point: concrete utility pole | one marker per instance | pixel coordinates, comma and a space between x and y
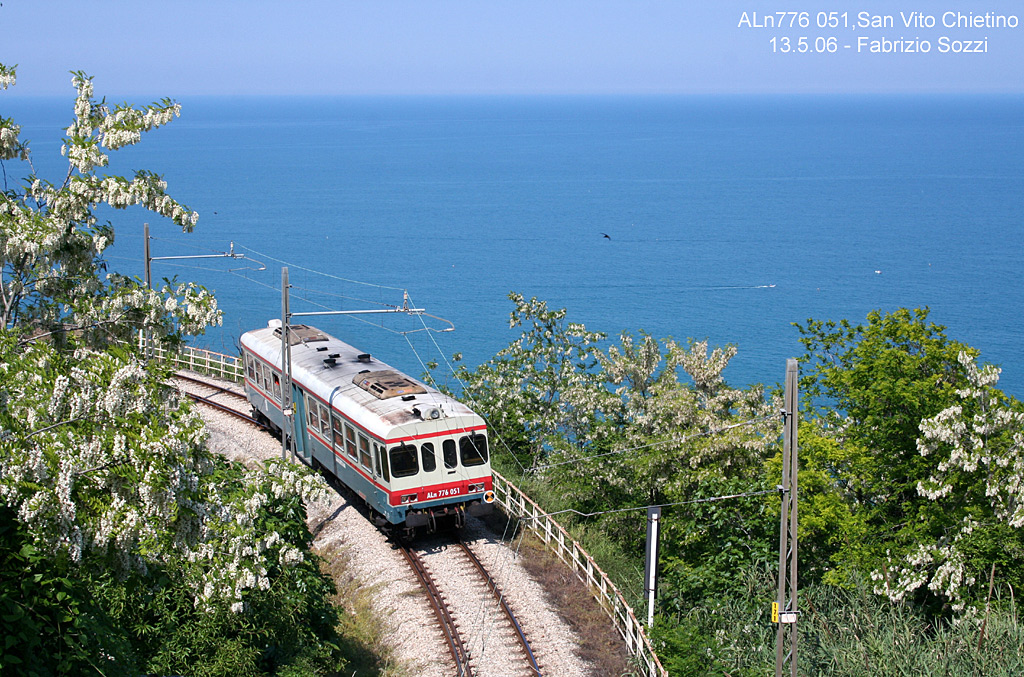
784, 610
651, 570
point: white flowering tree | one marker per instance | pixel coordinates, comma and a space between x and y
115, 518
976, 489
51, 239
535, 392
640, 423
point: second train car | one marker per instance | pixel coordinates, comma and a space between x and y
417, 457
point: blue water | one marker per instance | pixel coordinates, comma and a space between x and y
728, 218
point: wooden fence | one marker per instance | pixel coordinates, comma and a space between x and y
509, 497
517, 504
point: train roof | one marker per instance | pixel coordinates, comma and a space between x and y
372, 393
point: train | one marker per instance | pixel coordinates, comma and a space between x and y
417, 457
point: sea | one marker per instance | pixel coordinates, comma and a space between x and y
726, 218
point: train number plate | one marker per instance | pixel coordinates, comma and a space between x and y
442, 493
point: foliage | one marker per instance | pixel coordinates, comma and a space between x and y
527, 389
843, 631
729, 635
854, 632
910, 479
47, 623
607, 432
912, 460
128, 547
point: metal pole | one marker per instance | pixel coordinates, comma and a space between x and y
145, 248
786, 610
651, 572
287, 427
149, 285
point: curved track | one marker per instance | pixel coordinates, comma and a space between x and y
457, 648
217, 390
500, 598
482, 632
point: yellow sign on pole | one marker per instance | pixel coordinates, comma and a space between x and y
775, 612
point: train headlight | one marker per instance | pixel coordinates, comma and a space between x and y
408, 498
475, 488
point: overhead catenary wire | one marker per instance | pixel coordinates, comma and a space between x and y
319, 272
708, 499
682, 440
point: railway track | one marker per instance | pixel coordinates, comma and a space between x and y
499, 597
456, 647
216, 390
481, 631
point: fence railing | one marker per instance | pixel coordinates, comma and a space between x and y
518, 504
228, 367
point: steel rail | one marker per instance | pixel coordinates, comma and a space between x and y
205, 399
227, 410
500, 597
444, 618
212, 386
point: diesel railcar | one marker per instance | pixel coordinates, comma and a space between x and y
418, 458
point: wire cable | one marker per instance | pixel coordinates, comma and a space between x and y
683, 440
710, 499
317, 272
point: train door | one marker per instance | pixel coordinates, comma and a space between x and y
300, 440
381, 468
337, 443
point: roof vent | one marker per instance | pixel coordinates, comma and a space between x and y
364, 358
387, 384
330, 361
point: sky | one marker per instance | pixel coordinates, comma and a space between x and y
343, 47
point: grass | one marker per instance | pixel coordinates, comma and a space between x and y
365, 632
600, 644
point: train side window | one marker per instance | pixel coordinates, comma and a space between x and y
364, 453
259, 375
350, 441
325, 420
250, 366
403, 461
339, 433
312, 419
450, 459
277, 387
473, 449
382, 462
427, 452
